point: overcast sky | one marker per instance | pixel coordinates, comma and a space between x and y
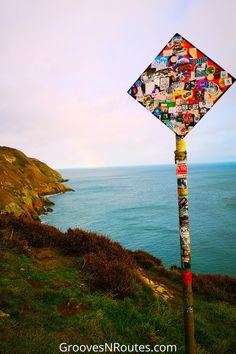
66, 66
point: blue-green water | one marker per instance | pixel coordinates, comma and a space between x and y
137, 206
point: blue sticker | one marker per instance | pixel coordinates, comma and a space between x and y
169, 124
200, 65
157, 111
202, 83
160, 62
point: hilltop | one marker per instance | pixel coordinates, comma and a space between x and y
24, 182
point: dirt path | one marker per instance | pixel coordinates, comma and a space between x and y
159, 289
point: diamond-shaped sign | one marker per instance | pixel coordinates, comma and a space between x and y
181, 85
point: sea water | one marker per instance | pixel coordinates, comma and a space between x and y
137, 206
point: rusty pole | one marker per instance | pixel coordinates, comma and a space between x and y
185, 253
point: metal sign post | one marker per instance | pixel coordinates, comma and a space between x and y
179, 87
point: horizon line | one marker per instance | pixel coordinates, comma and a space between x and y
142, 165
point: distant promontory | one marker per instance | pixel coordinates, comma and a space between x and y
25, 182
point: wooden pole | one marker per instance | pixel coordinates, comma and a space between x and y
185, 253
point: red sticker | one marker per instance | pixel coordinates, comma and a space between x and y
187, 278
182, 170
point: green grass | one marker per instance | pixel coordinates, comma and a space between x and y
50, 303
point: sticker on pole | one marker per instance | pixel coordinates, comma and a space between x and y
181, 170
187, 278
180, 85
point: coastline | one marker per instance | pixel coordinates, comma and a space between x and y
25, 183
47, 203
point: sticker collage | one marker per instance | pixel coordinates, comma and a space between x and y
182, 185
180, 85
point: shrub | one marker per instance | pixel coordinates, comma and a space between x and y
112, 276
175, 268
217, 287
79, 242
146, 260
19, 246
35, 233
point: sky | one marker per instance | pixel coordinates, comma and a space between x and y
66, 66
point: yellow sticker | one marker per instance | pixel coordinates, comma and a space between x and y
193, 52
178, 93
210, 77
222, 82
181, 145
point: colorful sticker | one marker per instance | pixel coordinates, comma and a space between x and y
184, 232
210, 70
186, 261
184, 79
228, 81
181, 170
187, 278
183, 202
183, 192
160, 62
203, 83
223, 74
193, 52
200, 66
184, 222
185, 242
182, 183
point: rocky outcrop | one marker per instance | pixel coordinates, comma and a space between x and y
25, 182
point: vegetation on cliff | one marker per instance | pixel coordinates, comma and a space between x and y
82, 288
23, 183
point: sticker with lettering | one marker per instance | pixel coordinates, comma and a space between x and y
181, 170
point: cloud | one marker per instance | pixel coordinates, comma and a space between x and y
66, 67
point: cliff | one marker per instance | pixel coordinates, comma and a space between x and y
24, 182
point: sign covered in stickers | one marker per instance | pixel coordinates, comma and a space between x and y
180, 85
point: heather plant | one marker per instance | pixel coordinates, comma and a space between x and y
220, 287
110, 275
80, 242
35, 233
146, 260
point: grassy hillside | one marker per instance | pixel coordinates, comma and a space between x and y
82, 288
79, 287
24, 181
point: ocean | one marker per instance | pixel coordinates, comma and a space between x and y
137, 206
